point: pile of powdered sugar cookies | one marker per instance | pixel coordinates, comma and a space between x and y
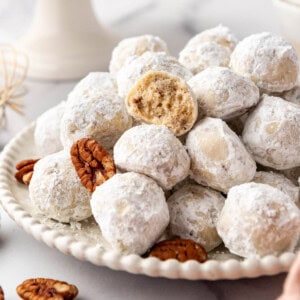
205, 147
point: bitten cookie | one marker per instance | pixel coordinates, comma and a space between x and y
131, 211
218, 157
135, 46
154, 151
194, 211
222, 93
280, 182
47, 130
93, 111
268, 60
56, 191
259, 220
137, 66
272, 132
163, 99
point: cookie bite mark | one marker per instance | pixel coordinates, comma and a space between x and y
163, 99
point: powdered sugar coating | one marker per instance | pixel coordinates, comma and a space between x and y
218, 157
280, 182
220, 34
92, 85
194, 211
135, 46
222, 93
259, 220
272, 131
47, 130
154, 151
56, 191
197, 58
97, 115
137, 66
268, 60
292, 95
131, 211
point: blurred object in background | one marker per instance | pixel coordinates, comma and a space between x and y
289, 14
65, 40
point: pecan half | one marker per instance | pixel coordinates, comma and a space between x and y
45, 288
1, 294
92, 162
25, 170
179, 249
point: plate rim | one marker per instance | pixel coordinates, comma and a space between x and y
132, 263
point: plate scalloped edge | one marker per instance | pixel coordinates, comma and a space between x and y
68, 244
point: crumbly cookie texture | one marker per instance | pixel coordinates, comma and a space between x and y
222, 93
47, 130
194, 211
163, 99
220, 34
56, 191
92, 85
259, 220
218, 157
199, 57
94, 113
280, 182
268, 60
135, 46
272, 133
131, 211
154, 151
137, 66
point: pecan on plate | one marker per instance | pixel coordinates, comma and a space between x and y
1, 294
45, 288
25, 170
92, 162
179, 249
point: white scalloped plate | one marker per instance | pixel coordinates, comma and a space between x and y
83, 240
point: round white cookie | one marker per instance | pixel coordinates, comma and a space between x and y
154, 151
267, 59
272, 131
259, 220
220, 34
197, 58
131, 211
47, 130
218, 157
135, 46
194, 211
222, 93
99, 116
55, 189
280, 182
137, 66
92, 85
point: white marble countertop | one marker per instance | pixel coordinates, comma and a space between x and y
21, 256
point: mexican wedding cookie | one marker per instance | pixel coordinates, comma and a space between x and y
272, 132
222, 93
163, 99
94, 113
56, 191
218, 157
47, 130
259, 220
194, 211
131, 211
280, 182
268, 60
135, 46
154, 151
138, 66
